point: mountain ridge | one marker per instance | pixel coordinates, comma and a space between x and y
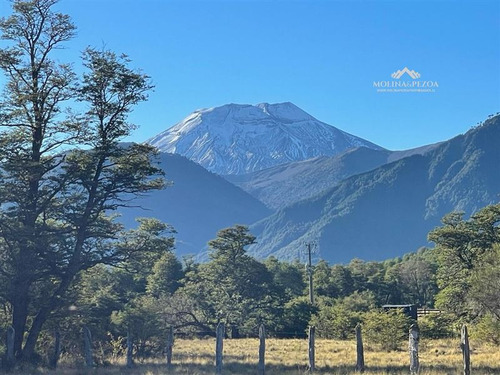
282, 185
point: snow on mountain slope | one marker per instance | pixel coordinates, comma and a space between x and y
236, 138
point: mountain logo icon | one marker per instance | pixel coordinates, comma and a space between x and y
413, 74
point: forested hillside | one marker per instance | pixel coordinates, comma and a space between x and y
196, 203
290, 183
390, 210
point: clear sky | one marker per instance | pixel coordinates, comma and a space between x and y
321, 55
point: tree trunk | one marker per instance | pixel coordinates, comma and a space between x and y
87, 340
19, 318
36, 328
235, 332
42, 315
10, 358
20, 301
170, 344
130, 348
54, 358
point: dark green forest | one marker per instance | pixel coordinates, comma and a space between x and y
146, 294
66, 262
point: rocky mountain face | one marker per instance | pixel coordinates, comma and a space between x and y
389, 210
236, 139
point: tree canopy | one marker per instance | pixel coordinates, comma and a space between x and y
62, 173
468, 258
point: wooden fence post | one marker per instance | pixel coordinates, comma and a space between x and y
170, 344
414, 337
87, 339
464, 344
10, 347
312, 331
219, 342
130, 348
262, 350
54, 358
360, 361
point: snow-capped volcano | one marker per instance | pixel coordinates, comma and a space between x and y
236, 138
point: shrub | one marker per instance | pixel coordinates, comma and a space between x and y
337, 319
335, 322
437, 326
386, 328
296, 316
487, 330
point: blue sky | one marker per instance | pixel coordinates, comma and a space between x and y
321, 55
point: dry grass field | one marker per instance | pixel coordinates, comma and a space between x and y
287, 357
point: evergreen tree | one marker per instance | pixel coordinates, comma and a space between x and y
466, 251
61, 174
165, 277
233, 287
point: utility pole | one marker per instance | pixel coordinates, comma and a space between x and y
310, 272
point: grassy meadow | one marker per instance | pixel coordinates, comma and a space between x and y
290, 356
